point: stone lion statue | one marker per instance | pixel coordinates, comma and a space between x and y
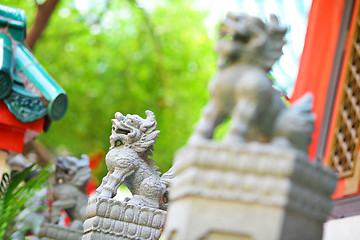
72, 175
127, 161
241, 88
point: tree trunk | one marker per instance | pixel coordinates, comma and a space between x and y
42, 18
3, 158
43, 154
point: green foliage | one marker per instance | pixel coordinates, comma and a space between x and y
16, 190
126, 59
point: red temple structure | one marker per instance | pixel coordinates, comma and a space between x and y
330, 69
14, 133
29, 97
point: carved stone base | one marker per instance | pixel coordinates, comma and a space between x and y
112, 219
342, 228
248, 191
52, 231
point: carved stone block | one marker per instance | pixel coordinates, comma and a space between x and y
112, 219
342, 228
247, 191
55, 232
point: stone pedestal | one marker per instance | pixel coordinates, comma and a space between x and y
55, 232
111, 219
247, 191
343, 228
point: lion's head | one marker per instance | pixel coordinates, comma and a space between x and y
248, 39
72, 170
134, 132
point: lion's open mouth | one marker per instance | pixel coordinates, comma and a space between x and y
122, 131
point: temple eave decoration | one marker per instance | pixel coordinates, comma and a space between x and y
28, 94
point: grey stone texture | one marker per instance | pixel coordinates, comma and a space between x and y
342, 228
143, 215
51, 231
257, 182
247, 191
127, 162
72, 175
112, 219
242, 90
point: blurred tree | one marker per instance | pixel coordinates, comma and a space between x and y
44, 11
123, 56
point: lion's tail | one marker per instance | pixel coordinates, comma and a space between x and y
297, 122
167, 177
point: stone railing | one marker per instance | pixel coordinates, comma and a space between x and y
112, 219
53, 231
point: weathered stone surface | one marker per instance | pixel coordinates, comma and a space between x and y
142, 216
127, 162
247, 191
112, 219
342, 228
56, 232
257, 182
72, 175
241, 89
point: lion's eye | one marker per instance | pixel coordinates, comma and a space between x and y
165, 198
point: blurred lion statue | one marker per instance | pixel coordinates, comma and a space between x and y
72, 175
247, 49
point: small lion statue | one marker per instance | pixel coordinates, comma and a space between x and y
72, 175
247, 49
127, 161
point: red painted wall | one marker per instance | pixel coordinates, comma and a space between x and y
316, 62
12, 130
